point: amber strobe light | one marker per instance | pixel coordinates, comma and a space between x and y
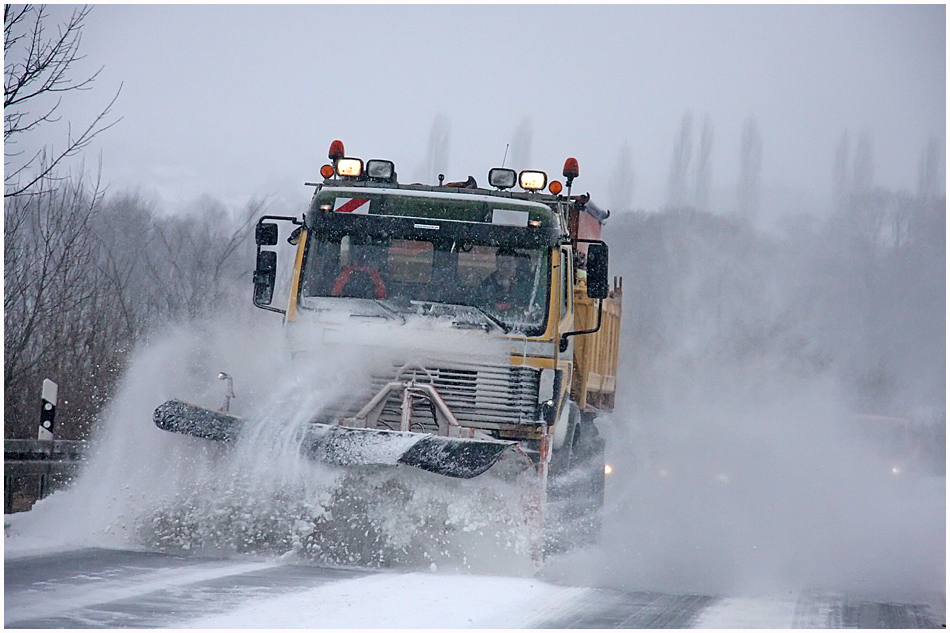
571, 170
336, 150
555, 187
327, 171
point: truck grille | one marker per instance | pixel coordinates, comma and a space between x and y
480, 396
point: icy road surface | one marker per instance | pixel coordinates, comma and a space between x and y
93, 588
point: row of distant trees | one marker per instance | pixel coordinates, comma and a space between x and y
690, 171
87, 275
861, 294
717, 313
690, 174
858, 293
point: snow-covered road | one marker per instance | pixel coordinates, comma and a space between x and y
119, 589
771, 520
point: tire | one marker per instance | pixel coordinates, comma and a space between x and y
588, 496
576, 484
562, 458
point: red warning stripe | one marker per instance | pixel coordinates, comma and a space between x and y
351, 205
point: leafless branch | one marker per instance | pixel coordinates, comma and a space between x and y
37, 66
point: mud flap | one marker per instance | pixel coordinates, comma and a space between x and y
344, 446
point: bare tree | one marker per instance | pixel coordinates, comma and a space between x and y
191, 263
89, 278
703, 167
622, 181
520, 154
37, 73
749, 172
863, 178
679, 167
125, 232
49, 293
842, 179
929, 174
437, 153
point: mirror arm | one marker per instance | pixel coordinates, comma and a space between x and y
264, 306
600, 314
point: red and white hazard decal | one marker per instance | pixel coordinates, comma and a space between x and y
351, 205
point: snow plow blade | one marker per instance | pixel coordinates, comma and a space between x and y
344, 446
180, 417
452, 457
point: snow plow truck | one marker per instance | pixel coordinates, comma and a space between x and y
524, 271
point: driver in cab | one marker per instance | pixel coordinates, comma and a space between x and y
506, 288
360, 278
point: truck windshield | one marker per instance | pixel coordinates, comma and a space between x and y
506, 284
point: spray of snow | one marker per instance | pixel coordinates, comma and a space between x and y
741, 497
147, 488
738, 466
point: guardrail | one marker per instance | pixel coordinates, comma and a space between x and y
33, 469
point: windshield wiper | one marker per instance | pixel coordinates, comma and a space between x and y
437, 309
390, 310
504, 326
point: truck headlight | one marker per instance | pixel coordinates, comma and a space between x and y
533, 180
380, 170
501, 178
352, 167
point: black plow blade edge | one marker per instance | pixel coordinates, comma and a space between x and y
450, 457
453, 458
188, 419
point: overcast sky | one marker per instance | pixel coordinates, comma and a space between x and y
241, 101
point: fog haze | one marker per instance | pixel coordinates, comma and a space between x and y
763, 347
241, 101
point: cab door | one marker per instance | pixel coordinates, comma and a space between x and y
565, 293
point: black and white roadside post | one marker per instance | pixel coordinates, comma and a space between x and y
47, 410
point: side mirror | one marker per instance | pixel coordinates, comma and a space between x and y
265, 275
598, 281
266, 234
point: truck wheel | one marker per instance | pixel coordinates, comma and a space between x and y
576, 484
588, 496
562, 458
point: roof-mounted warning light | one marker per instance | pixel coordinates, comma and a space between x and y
571, 171
335, 154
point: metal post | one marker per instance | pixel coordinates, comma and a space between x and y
230, 391
47, 410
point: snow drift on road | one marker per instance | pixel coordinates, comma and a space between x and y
405, 601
